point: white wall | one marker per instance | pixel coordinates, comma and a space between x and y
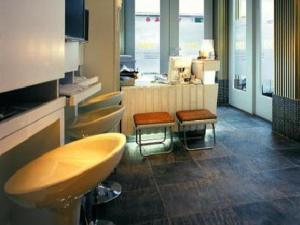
101, 52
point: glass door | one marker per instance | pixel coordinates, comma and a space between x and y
265, 69
147, 36
240, 88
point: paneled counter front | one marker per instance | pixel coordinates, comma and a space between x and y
164, 97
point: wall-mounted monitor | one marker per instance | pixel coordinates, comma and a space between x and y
75, 19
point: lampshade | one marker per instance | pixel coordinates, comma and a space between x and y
119, 3
207, 47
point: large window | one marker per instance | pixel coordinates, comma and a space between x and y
147, 36
158, 36
191, 26
240, 45
267, 47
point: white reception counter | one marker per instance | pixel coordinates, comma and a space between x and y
152, 97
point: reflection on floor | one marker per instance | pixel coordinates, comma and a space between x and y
251, 177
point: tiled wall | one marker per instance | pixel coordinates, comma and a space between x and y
286, 116
223, 95
286, 107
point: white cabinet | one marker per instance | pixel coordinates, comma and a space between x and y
32, 40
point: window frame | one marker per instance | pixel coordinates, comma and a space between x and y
169, 26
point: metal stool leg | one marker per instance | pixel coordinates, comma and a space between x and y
185, 139
214, 131
165, 134
140, 142
171, 136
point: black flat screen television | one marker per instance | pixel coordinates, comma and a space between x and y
75, 22
86, 24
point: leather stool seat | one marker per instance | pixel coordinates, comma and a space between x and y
190, 115
153, 120
141, 119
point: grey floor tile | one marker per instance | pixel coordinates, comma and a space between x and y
219, 151
286, 181
133, 208
265, 160
192, 197
177, 172
263, 213
252, 177
292, 154
133, 177
220, 217
225, 167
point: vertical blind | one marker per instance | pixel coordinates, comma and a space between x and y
221, 34
287, 56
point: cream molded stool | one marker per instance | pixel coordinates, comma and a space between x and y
153, 120
96, 119
195, 117
95, 122
58, 179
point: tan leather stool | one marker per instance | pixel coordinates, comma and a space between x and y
153, 120
195, 117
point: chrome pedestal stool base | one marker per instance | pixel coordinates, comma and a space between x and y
107, 191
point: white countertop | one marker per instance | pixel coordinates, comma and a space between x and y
149, 81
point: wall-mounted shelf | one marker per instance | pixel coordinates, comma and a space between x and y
19, 128
81, 95
79, 91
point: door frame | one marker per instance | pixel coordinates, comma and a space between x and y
260, 100
238, 98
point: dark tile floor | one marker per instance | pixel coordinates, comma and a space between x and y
251, 177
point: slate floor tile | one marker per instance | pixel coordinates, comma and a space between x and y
265, 160
224, 167
133, 177
244, 146
252, 177
263, 213
178, 155
278, 142
219, 151
133, 208
289, 207
286, 180
239, 191
156, 222
192, 197
177, 172
220, 217
292, 154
